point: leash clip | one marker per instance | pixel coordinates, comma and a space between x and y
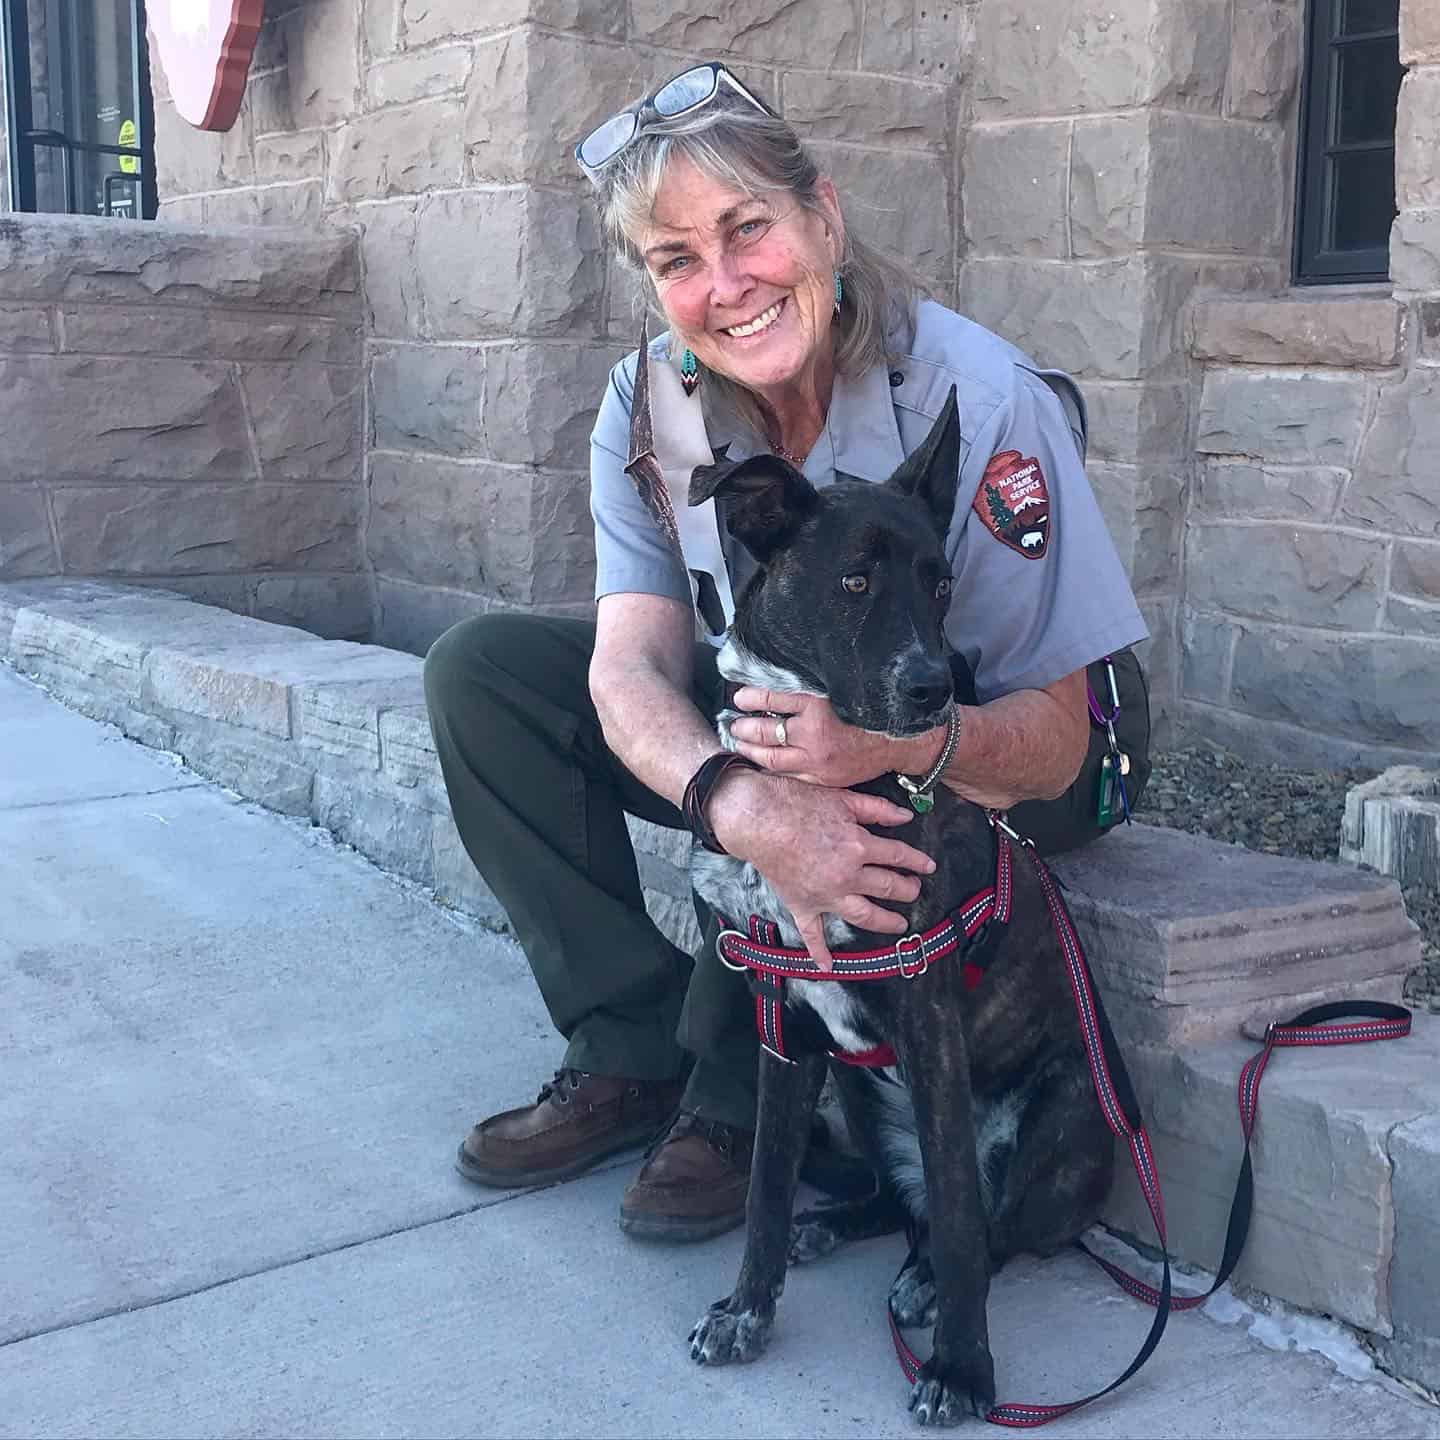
1270, 1030
916, 944
739, 969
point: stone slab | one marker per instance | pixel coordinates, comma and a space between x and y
259, 767
379, 820
1342, 331
1414, 1349
1281, 415
1323, 1227
1190, 936
342, 720
407, 751
1392, 825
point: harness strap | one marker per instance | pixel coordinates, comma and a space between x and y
1377, 1021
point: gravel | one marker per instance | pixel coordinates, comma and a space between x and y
1208, 791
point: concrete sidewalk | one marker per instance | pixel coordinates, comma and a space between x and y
234, 1062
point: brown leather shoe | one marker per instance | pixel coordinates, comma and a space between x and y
576, 1121
693, 1185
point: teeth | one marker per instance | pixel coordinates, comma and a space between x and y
759, 323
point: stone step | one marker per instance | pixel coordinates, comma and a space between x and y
1346, 1159
1392, 824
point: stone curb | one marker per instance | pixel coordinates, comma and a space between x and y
1189, 937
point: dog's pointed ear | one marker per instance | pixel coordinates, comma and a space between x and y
763, 499
933, 471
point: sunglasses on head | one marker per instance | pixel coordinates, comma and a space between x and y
692, 89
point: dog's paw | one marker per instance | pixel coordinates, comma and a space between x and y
811, 1238
945, 1395
724, 1335
912, 1296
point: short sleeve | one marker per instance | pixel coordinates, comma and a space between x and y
631, 555
1038, 590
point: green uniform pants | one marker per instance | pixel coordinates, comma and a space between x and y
540, 803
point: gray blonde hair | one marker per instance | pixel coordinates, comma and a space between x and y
757, 153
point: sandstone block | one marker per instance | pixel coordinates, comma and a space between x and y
269, 53
1380, 691
322, 47
407, 753
186, 212
868, 110
1392, 825
26, 546
1417, 140
255, 688
1415, 250
409, 617
540, 401
1428, 316
400, 151
25, 329
424, 21
380, 20
66, 416
549, 238
1393, 486
428, 398
1414, 1350
442, 71
1322, 1230
1351, 330
138, 529
1015, 182
823, 34
1143, 510
379, 822
189, 160
457, 882
231, 209
1264, 61
1314, 577
1109, 179
306, 419
522, 80
522, 536
880, 193
64, 257
16, 595
296, 206
1419, 33
262, 769
342, 719
1416, 570
1131, 420
1205, 642
290, 155
393, 291
1280, 416
334, 607
190, 333
916, 38
1267, 492
268, 97
1412, 617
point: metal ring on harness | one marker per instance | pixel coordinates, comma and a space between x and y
740, 969
917, 944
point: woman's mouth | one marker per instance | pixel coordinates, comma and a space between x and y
761, 323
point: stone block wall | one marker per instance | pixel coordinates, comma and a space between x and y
184, 408
442, 131
1312, 552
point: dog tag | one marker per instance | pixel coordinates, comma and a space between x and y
922, 802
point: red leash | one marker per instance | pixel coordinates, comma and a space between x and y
1364, 1021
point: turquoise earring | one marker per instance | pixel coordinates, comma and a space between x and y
839, 291
689, 371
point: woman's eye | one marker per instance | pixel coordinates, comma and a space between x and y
855, 584
942, 590
672, 267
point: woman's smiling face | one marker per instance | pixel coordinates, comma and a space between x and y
746, 281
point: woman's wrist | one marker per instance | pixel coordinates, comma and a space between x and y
731, 807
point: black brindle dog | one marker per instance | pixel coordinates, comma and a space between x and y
987, 1134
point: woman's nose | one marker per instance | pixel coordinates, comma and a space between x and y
730, 282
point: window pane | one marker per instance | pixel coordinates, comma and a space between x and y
1363, 16
1369, 84
1362, 200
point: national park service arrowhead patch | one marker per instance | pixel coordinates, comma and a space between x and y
1014, 503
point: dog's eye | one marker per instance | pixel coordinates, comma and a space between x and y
942, 590
856, 584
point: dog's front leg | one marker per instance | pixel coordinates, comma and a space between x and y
959, 1377
739, 1327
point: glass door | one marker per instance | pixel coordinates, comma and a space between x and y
81, 121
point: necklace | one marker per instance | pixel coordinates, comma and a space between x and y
796, 460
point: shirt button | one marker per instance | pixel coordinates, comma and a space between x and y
897, 379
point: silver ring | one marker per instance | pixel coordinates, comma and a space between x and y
781, 736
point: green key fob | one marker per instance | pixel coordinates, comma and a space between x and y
1108, 793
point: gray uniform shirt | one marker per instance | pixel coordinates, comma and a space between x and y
1038, 588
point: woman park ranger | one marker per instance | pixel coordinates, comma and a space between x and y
800, 339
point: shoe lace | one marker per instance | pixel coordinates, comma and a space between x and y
562, 1085
719, 1136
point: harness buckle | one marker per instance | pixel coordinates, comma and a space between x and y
912, 945
740, 969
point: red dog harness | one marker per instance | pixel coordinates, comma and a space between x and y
910, 957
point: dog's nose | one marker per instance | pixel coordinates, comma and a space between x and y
927, 686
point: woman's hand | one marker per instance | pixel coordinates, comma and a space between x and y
810, 843
821, 748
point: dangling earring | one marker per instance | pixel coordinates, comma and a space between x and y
689, 372
839, 291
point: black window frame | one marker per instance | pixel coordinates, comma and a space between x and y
22, 139
1312, 262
